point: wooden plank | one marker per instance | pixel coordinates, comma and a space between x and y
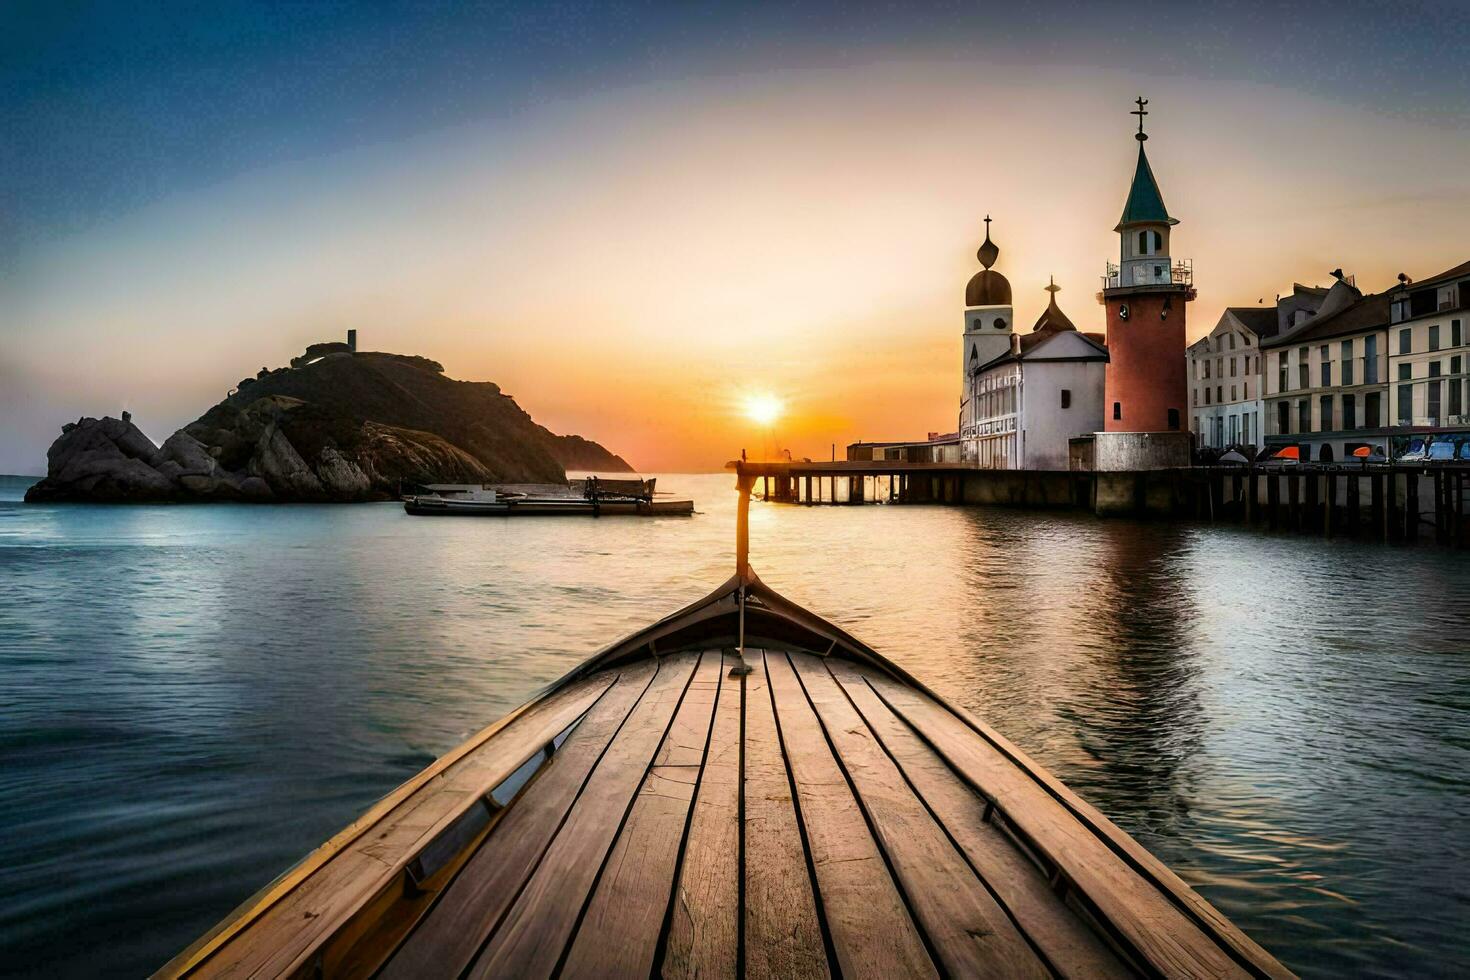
530, 939
1070, 945
782, 928
872, 932
619, 932
451, 934
1142, 909
969, 930
286, 935
704, 927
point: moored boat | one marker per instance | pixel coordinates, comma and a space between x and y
740, 789
596, 498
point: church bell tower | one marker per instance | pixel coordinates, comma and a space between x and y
989, 320
1145, 295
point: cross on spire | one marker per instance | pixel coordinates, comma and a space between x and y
1140, 112
987, 226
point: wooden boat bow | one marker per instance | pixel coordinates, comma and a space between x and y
739, 789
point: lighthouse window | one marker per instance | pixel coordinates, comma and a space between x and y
1173, 420
1000, 323
1117, 410
1066, 398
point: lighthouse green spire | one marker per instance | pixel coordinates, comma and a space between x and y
1145, 204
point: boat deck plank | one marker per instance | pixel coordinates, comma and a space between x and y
873, 934
468, 909
969, 930
619, 932
704, 925
530, 940
1152, 927
1072, 948
783, 935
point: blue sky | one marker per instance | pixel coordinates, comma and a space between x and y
614, 209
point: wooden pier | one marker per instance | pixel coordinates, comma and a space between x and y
1399, 503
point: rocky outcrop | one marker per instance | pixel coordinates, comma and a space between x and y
343, 428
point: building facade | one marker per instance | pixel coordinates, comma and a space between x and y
1325, 376
1428, 358
1225, 403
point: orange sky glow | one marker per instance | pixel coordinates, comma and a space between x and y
636, 265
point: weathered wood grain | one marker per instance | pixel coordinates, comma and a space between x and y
704, 926
1158, 932
872, 932
535, 930
619, 932
459, 922
971, 933
1070, 945
783, 935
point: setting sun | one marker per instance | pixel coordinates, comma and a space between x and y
763, 409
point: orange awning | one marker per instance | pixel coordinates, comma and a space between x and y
1363, 451
1288, 452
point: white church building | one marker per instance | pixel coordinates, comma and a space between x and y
1024, 396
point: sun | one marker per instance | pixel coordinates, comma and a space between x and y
763, 409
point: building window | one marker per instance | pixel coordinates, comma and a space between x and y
1454, 333
1173, 420
1347, 362
1281, 384
1247, 391
1066, 398
1349, 412
1434, 369
1370, 360
1406, 340
1431, 399
1207, 369
1232, 344
1372, 417
1406, 372
1304, 416
1326, 371
1434, 336
1456, 406
1117, 411
1325, 423
1232, 367
1303, 367
1196, 396
1406, 405
1219, 393
1283, 417
1208, 393
1232, 392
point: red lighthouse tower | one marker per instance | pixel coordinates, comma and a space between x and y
1146, 294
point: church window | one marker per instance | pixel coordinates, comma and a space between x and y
1173, 420
1117, 411
1066, 398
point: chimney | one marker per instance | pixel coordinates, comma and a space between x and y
352, 341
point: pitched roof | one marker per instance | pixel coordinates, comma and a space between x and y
1145, 205
1259, 320
1365, 314
1462, 269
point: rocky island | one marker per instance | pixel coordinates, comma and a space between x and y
337, 425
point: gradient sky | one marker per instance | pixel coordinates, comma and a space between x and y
634, 216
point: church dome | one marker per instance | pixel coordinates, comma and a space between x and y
988, 287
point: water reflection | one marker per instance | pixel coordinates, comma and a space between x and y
194, 697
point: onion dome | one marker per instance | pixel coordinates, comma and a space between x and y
988, 287
1052, 318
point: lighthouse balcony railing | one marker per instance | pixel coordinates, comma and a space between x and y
1143, 272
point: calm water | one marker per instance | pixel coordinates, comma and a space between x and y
193, 697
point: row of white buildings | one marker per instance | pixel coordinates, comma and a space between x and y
1333, 369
